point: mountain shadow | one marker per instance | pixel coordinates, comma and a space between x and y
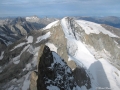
102, 82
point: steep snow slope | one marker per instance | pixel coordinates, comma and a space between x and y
102, 73
51, 24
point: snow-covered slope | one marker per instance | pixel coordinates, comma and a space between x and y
103, 74
91, 27
51, 24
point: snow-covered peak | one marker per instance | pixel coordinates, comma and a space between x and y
65, 23
32, 18
91, 27
103, 75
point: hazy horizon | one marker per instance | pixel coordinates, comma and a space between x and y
56, 17
59, 8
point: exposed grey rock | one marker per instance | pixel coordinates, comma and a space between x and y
53, 71
59, 40
114, 30
81, 77
101, 42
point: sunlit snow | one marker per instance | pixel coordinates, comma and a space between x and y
91, 27
39, 39
52, 47
30, 39
51, 25
19, 45
1, 56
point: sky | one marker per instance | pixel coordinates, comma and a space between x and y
59, 8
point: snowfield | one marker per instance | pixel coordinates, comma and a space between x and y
52, 47
102, 73
51, 25
30, 39
2, 55
19, 45
91, 27
26, 82
52, 88
39, 39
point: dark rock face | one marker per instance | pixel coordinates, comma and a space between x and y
45, 61
82, 78
53, 72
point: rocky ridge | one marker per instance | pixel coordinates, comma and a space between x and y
54, 73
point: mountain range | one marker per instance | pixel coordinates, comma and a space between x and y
67, 54
12, 29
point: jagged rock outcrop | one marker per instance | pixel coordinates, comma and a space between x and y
53, 72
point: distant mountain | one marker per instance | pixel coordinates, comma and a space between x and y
39, 22
111, 20
67, 54
36, 19
12, 29
32, 19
